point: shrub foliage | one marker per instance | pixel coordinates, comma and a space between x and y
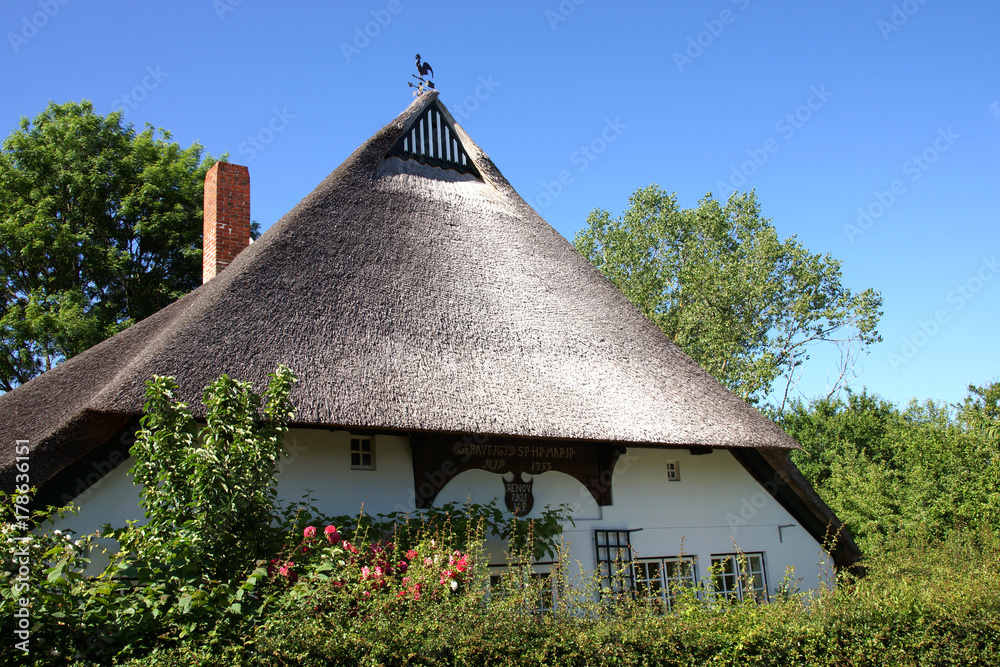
220, 574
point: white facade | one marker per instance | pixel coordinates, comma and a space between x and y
715, 507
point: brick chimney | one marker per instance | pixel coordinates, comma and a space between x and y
227, 216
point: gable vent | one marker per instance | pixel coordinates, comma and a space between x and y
431, 140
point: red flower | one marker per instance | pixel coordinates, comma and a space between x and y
331, 534
411, 554
286, 571
309, 532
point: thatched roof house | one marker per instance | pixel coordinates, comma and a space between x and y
414, 292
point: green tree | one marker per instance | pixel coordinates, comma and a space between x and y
719, 282
209, 489
100, 226
922, 470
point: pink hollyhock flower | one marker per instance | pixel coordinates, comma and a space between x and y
447, 576
411, 554
366, 573
331, 534
379, 571
428, 561
309, 532
463, 564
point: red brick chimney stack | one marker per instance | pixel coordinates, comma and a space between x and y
227, 216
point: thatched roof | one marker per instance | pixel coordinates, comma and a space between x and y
408, 297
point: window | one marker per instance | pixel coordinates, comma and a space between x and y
662, 578
614, 559
362, 454
540, 582
739, 576
673, 471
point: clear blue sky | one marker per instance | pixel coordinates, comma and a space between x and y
836, 105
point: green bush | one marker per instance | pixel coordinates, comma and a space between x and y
920, 603
214, 580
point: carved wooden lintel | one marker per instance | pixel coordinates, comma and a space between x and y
437, 458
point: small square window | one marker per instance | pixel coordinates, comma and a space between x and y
673, 471
362, 454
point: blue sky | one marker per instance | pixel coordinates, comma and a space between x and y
870, 130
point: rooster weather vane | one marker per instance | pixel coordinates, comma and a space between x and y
423, 68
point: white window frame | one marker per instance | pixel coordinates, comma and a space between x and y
673, 471
360, 452
663, 583
546, 571
738, 575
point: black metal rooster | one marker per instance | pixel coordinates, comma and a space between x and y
423, 69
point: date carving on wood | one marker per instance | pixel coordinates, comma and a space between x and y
437, 458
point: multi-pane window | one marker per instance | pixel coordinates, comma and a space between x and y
739, 576
614, 559
663, 578
539, 583
362, 454
673, 471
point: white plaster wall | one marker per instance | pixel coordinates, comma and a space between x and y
320, 461
716, 507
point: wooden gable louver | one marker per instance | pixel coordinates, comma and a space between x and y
432, 140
